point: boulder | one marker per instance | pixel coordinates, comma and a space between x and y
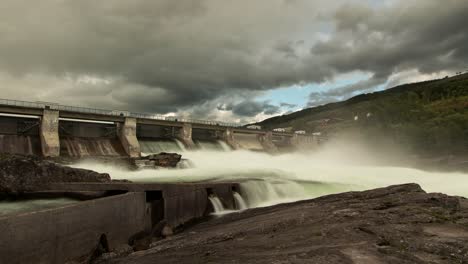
26, 173
161, 160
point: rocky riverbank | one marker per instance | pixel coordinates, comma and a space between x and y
20, 174
397, 224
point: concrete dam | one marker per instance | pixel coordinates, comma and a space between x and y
52, 130
60, 222
121, 212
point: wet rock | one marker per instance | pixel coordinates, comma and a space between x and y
161, 160
119, 251
397, 224
140, 241
167, 231
26, 173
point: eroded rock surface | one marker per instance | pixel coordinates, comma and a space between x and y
163, 159
26, 173
397, 224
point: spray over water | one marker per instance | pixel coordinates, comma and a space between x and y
271, 179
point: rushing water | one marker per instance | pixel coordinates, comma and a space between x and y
240, 202
271, 179
150, 146
216, 203
212, 145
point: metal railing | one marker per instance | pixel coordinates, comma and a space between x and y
87, 110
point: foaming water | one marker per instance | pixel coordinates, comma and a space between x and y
216, 203
214, 145
271, 179
239, 200
151, 146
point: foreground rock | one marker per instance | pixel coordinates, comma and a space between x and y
398, 224
161, 160
25, 173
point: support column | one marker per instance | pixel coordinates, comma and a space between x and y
228, 137
185, 135
128, 138
295, 141
304, 142
267, 141
50, 142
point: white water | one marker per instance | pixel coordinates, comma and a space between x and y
152, 146
271, 179
216, 145
240, 203
217, 205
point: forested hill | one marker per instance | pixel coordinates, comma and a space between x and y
430, 116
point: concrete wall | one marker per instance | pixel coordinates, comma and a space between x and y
183, 204
304, 142
49, 133
127, 135
205, 134
155, 131
62, 234
87, 130
248, 141
20, 136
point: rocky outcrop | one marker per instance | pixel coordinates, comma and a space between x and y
26, 173
164, 160
397, 224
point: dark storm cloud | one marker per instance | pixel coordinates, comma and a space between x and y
317, 98
287, 105
168, 56
423, 35
252, 108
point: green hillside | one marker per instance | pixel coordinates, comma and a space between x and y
427, 117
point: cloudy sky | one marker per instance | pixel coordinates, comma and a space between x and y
237, 60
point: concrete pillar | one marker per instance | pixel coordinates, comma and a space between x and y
295, 141
185, 135
49, 133
267, 141
228, 137
128, 138
304, 142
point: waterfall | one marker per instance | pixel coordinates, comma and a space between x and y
89, 147
217, 205
259, 193
212, 145
18, 144
180, 145
240, 203
224, 145
155, 146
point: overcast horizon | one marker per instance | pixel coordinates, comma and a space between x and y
233, 61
